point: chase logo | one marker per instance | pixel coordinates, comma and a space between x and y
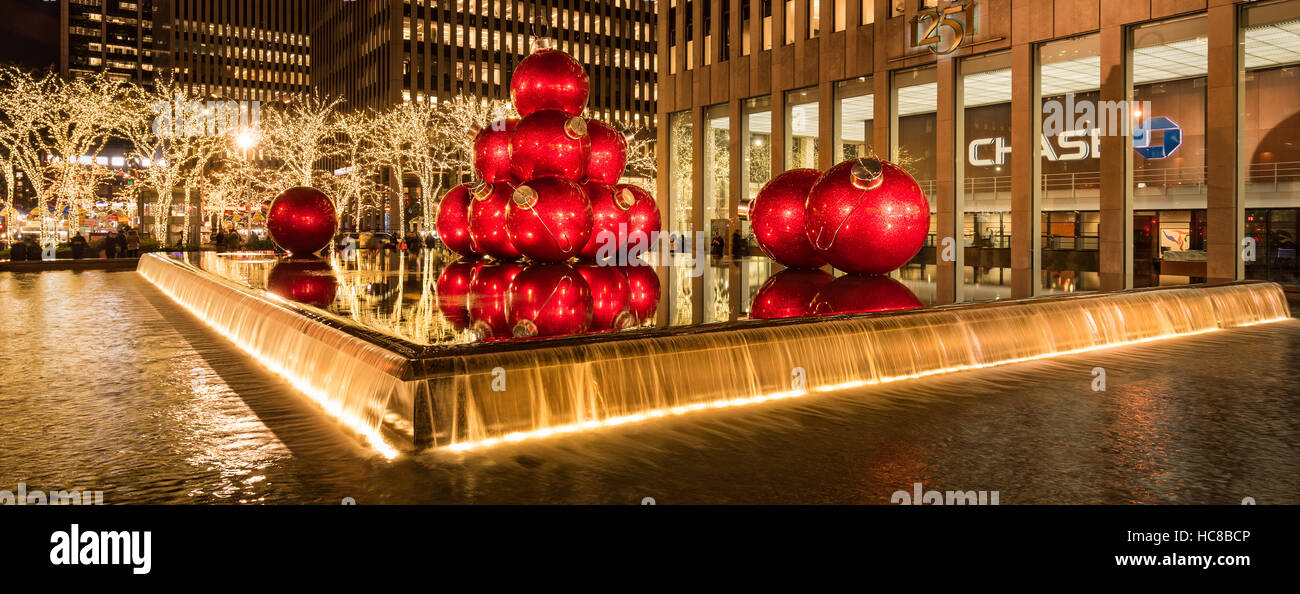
1172, 138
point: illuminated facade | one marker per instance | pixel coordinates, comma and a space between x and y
1186, 192
113, 36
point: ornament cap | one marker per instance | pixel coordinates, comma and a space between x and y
542, 43
623, 320
481, 190
525, 328
575, 128
868, 173
481, 330
525, 197
624, 199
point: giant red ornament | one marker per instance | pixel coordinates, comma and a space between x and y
492, 150
608, 153
867, 216
643, 215
609, 214
611, 298
487, 220
549, 300
488, 293
777, 216
549, 79
452, 290
789, 294
306, 281
550, 142
549, 219
302, 220
643, 288
452, 222
853, 293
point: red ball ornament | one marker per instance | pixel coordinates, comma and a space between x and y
453, 291
611, 297
487, 299
549, 300
550, 142
306, 281
777, 216
302, 220
853, 293
487, 220
492, 150
867, 216
549, 79
452, 222
609, 215
549, 219
643, 215
608, 153
643, 286
789, 294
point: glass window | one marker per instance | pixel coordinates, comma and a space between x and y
789, 22
1168, 119
801, 128
854, 110
680, 165
915, 94
814, 18
1069, 78
717, 168
756, 142
986, 184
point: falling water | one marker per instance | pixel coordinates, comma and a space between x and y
466, 396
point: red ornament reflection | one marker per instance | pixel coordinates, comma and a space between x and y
853, 293
549, 219
492, 150
867, 216
452, 290
643, 287
487, 220
549, 300
452, 222
777, 216
302, 220
611, 297
550, 142
487, 299
308, 281
609, 213
549, 79
608, 153
789, 294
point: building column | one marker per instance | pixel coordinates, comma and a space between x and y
826, 124
698, 223
948, 172
1225, 208
1116, 229
1026, 171
736, 167
780, 133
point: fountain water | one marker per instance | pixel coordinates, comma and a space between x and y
401, 394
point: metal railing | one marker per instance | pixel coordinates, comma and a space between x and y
1260, 177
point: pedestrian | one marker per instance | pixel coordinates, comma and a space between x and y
132, 241
110, 245
33, 250
233, 241
219, 240
78, 243
18, 251
739, 245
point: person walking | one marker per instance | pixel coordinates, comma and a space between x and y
110, 245
233, 241
132, 241
33, 250
18, 251
219, 240
78, 243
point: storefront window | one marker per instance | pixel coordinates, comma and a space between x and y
801, 129
854, 110
680, 164
1169, 69
1070, 189
986, 184
915, 94
1271, 118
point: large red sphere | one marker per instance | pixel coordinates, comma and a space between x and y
867, 216
789, 294
611, 298
549, 79
452, 222
302, 220
453, 291
643, 215
643, 285
609, 214
550, 142
853, 293
487, 220
608, 153
549, 219
492, 150
549, 300
487, 299
306, 281
777, 216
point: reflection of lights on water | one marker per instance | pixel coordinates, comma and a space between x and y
733, 402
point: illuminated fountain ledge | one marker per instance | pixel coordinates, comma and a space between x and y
402, 396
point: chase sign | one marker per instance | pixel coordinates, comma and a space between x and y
1172, 138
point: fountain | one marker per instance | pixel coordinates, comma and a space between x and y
374, 345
